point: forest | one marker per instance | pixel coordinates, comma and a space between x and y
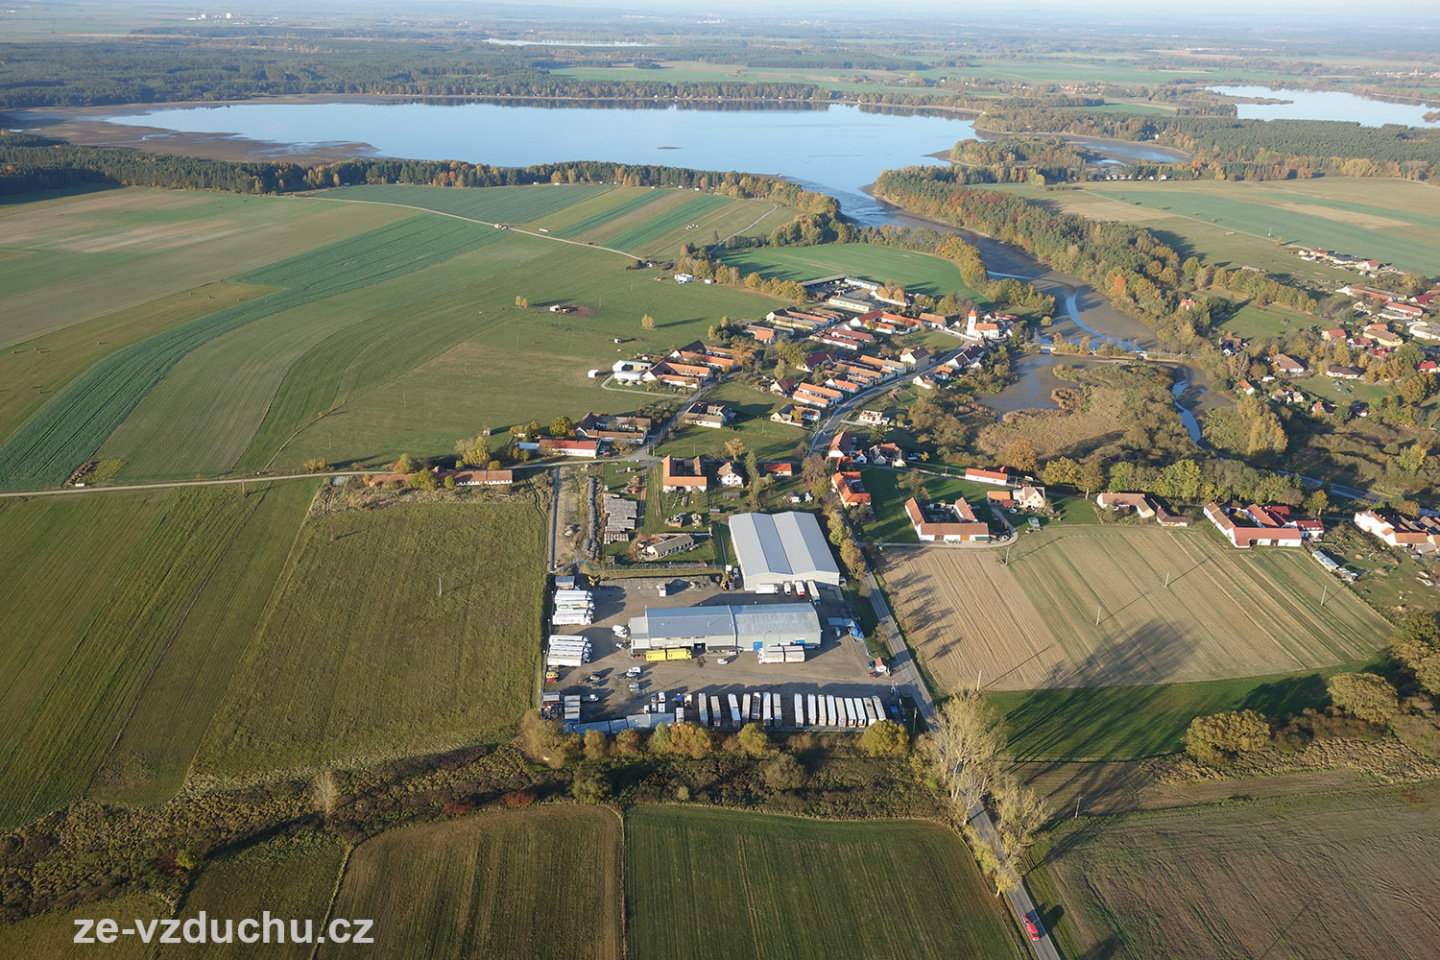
29, 163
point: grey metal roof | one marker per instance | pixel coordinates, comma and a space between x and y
789, 545
730, 622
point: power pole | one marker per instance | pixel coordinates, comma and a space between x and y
1167, 579
441, 591
1097, 614
978, 674
1324, 593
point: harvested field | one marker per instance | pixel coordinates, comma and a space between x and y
1331, 875
732, 885
51, 936
963, 612
1225, 613
542, 884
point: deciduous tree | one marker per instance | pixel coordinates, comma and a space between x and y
1367, 696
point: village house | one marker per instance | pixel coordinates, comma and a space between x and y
1229, 346
778, 468
568, 448
990, 327
764, 334
703, 414
851, 489
1030, 497
1287, 395
999, 477
1138, 502
887, 454
914, 356
872, 417
700, 354
1287, 366
665, 544
1333, 334
1000, 498
816, 361
815, 396
1246, 387
629, 371
1421, 535
1383, 336
1244, 537
842, 446
1338, 371
1424, 330
604, 426
845, 339
796, 415
965, 529
483, 478
924, 382
730, 475
682, 475
674, 374
784, 386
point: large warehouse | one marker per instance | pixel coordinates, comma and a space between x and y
775, 548
726, 628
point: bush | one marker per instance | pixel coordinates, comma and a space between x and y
1366, 696
423, 480
597, 745
590, 786
315, 465
1218, 739
518, 799
627, 743
660, 739
783, 773
406, 464
691, 740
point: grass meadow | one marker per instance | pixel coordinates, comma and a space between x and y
1324, 876
51, 936
361, 654
543, 883
729, 885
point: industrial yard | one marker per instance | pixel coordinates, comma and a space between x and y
837, 667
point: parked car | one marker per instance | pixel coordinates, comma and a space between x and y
593, 678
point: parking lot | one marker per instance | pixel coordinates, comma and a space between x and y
840, 667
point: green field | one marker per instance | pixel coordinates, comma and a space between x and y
1117, 723
642, 197
287, 877
890, 523
389, 665
78, 418
752, 426
488, 204
114, 616
728, 885
52, 935
543, 884
1329, 875
916, 272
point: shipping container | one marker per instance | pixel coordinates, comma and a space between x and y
879, 708
652, 655
870, 715
703, 709
734, 711
799, 710
572, 595
830, 713
777, 712
852, 713
680, 714
716, 717
677, 653
810, 709
767, 588
766, 714
795, 656
754, 707
745, 708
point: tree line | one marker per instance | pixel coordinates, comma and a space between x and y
29, 163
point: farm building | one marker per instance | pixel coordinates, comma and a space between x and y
1421, 534
690, 476
774, 549
967, 528
726, 627
1247, 536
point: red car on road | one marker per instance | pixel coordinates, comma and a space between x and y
1032, 928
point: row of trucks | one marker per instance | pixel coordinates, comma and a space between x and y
768, 709
795, 588
573, 608
567, 650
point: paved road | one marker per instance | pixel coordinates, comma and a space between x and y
827, 427
906, 677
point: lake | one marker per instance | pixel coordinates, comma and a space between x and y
1325, 105
833, 148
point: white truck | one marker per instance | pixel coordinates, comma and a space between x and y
810, 709
799, 710
735, 712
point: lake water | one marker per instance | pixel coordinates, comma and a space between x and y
1326, 105
833, 148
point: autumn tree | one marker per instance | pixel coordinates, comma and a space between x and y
1021, 812
753, 740
691, 740
1217, 740
1416, 645
562, 428
1092, 476
784, 772
522, 302
545, 741
885, 739
423, 480
1368, 696
964, 744
1061, 472
1020, 456
647, 322
734, 447
406, 464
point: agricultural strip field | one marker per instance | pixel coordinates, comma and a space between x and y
728, 885
91, 255
76, 420
291, 878
488, 204
408, 629
642, 198
31, 373
1333, 875
503, 364
916, 272
204, 414
543, 884
646, 235
1225, 614
111, 602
